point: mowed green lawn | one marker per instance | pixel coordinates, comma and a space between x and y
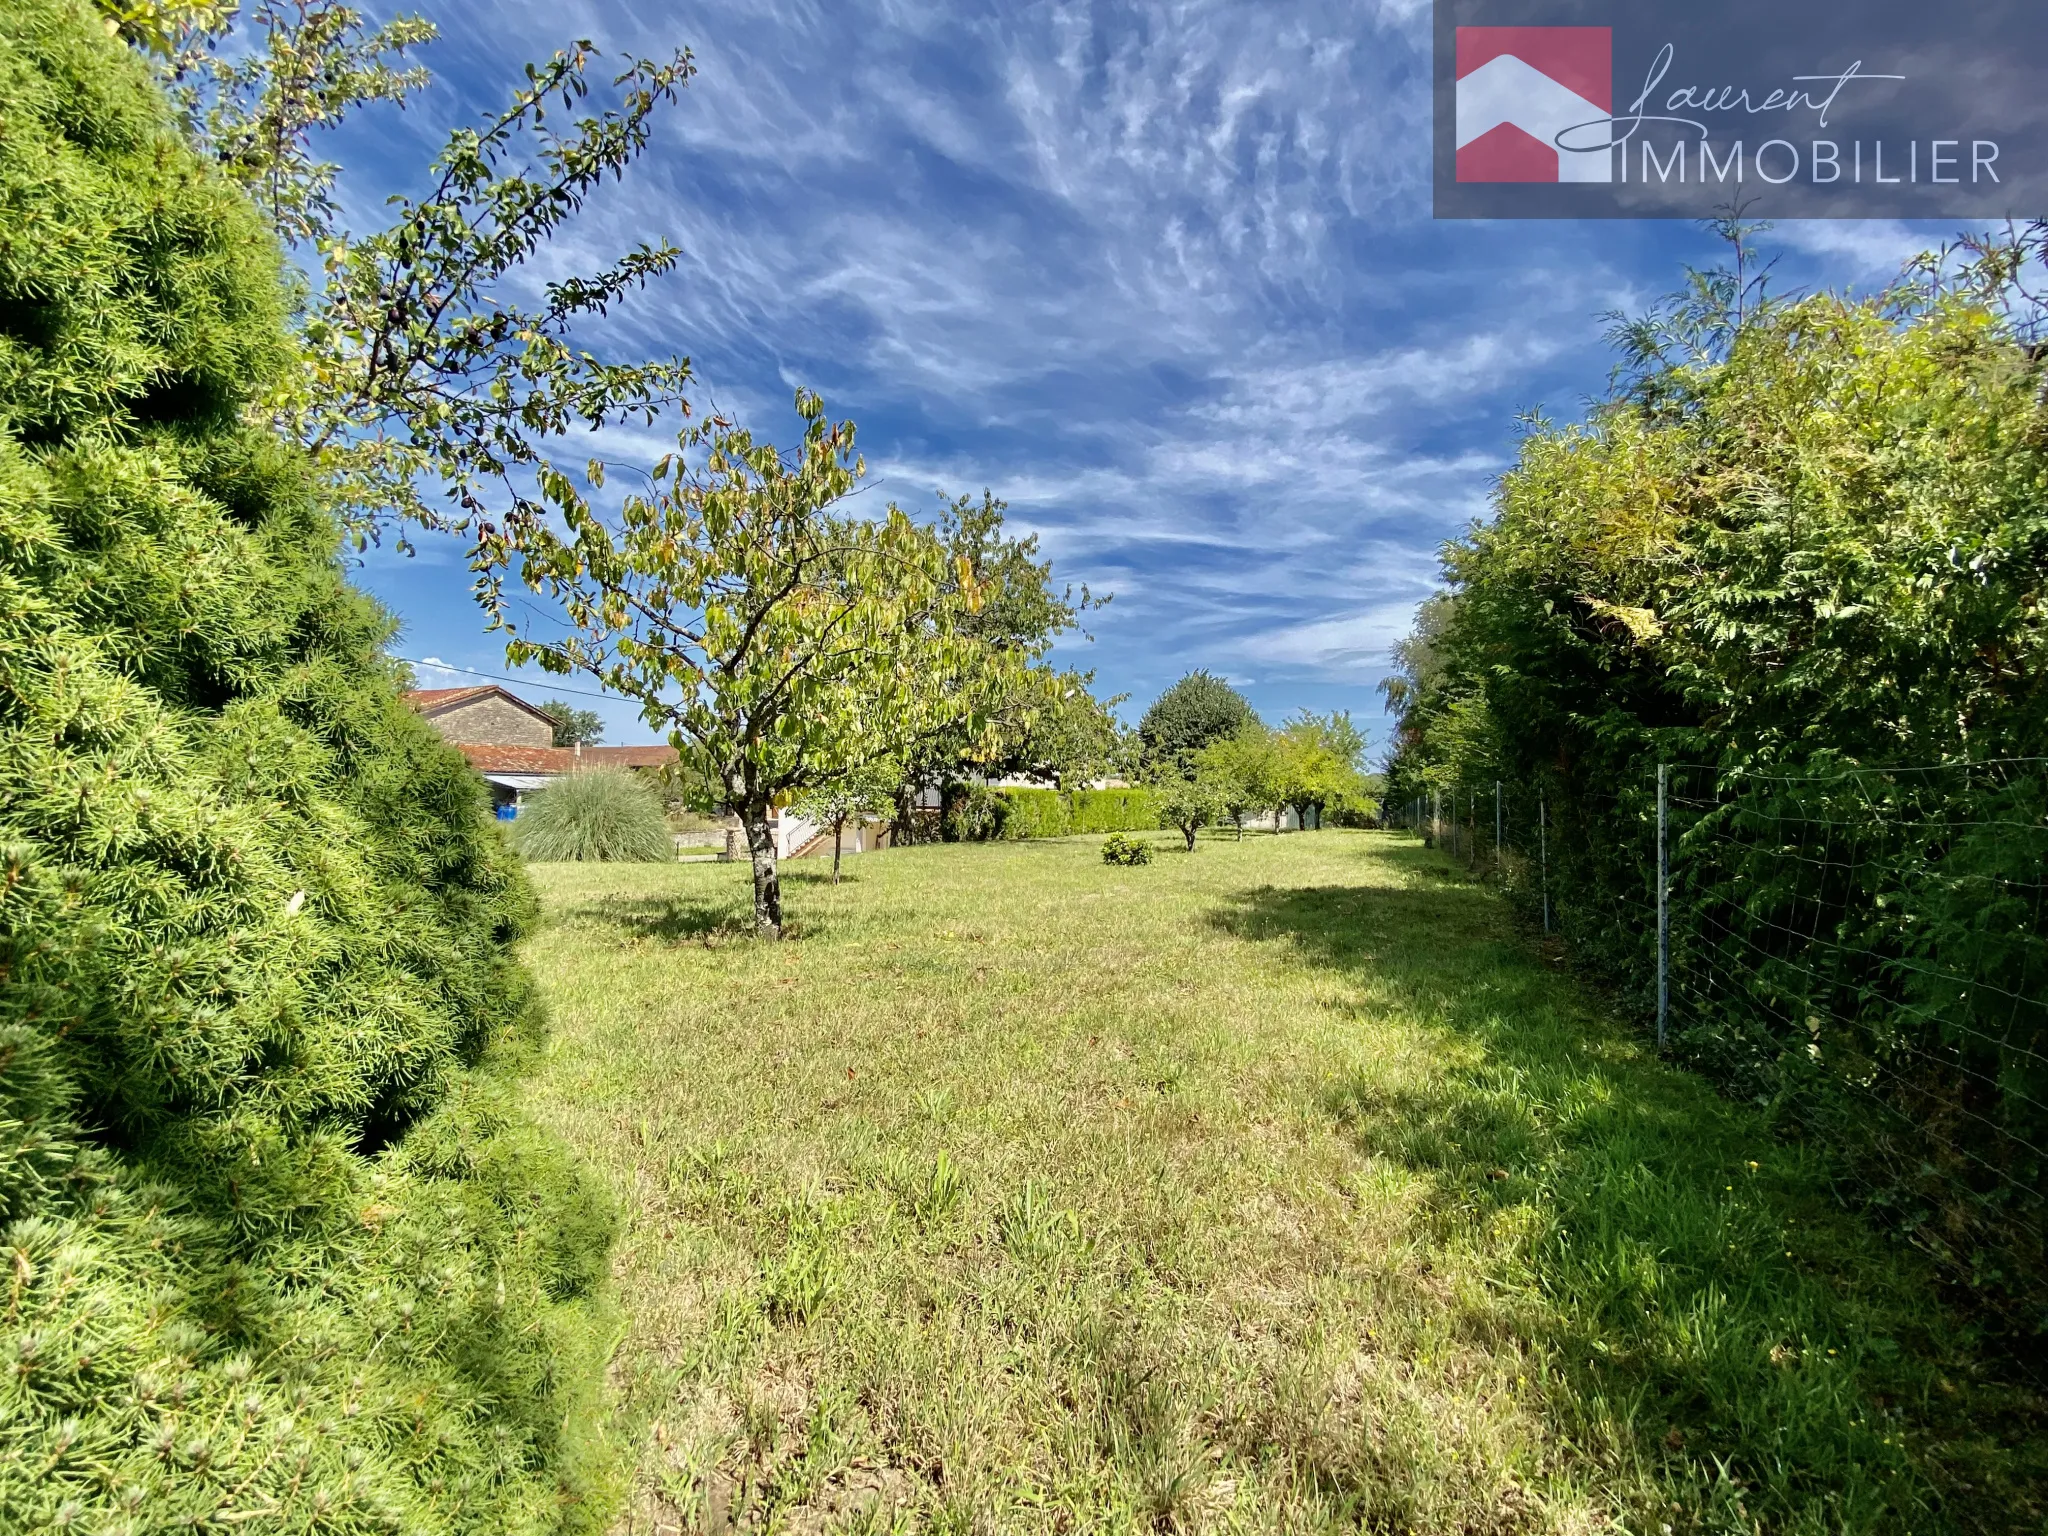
1283, 1186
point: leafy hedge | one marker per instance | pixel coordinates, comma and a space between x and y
282, 1252
1048, 813
1116, 810
1037, 813
1803, 557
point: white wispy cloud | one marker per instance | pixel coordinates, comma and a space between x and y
1159, 272
1864, 249
1341, 645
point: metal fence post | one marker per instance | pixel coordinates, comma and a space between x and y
1543, 853
1496, 829
1663, 905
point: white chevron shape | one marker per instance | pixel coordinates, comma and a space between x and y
1506, 90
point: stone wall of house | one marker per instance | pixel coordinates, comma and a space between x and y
492, 721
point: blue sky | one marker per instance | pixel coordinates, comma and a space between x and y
1161, 276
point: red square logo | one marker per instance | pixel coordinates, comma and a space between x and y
1520, 89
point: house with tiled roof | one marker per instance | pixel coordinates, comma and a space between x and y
484, 713
512, 743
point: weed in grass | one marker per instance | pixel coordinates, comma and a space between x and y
734, 1329
1034, 1231
798, 1282
706, 1162
940, 1192
1168, 1075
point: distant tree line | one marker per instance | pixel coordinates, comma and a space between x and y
574, 727
1212, 760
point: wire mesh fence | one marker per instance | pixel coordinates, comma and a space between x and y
1862, 951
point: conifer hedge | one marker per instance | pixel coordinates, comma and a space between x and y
277, 1249
1135, 809
1036, 813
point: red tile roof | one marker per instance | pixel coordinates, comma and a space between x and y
486, 758
434, 698
631, 757
433, 701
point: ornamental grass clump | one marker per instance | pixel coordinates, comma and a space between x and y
282, 1252
607, 815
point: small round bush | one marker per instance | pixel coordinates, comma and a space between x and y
1127, 851
610, 815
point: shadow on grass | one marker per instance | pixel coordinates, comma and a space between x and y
792, 876
1749, 1354
668, 919
696, 919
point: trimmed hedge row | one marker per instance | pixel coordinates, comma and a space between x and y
1115, 810
1048, 813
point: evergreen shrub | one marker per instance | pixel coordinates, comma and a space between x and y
281, 1251
1126, 851
608, 815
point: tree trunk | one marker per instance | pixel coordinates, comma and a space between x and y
1237, 820
1188, 832
767, 882
837, 827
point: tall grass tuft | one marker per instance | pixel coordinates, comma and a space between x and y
608, 815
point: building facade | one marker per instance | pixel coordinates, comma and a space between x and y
512, 743
484, 716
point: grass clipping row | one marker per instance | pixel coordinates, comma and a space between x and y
280, 1250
